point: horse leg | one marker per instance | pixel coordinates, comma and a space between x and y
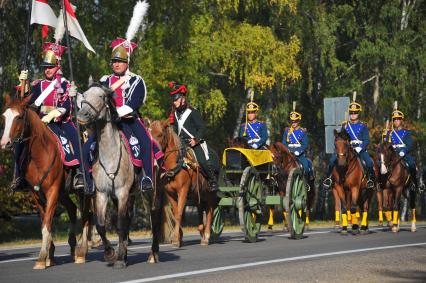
364, 204
412, 199
72, 214
387, 206
125, 204
211, 205
396, 209
341, 197
379, 196
354, 194
337, 206
45, 259
156, 215
101, 206
182, 195
201, 226
174, 203
86, 223
310, 203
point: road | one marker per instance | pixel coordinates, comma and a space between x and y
322, 256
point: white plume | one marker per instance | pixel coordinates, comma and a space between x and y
139, 13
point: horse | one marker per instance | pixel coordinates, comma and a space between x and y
49, 178
285, 161
181, 179
350, 187
396, 180
113, 173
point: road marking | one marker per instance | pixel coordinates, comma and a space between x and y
265, 262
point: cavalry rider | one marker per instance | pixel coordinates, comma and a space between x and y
296, 140
190, 127
402, 142
130, 94
51, 97
359, 135
254, 131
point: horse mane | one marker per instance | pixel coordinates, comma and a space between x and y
109, 93
283, 150
342, 135
158, 124
38, 127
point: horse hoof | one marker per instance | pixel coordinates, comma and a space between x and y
50, 262
109, 255
95, 244
344, 231
364, 230
119, 264
153, 258
413, 228
395, 229
355, 232
380, 224
306, 228
80, 259
177, 244
285, 229
204, 242
40, 265
269, 227
336, 227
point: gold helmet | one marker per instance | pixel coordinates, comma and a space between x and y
295, 116
122, 49
252, 107
52, 53
354, 107
397, 114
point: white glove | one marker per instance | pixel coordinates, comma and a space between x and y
250, 141
401, 153
358, 149
296, 153
73, 90
255, 146
256, 140
23, 76
52, 115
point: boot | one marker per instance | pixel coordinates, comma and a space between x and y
414, 183
212, 178
146, 184
18, 184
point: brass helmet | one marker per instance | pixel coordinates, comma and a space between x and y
122, 49
355, 107
52, 53
252, 107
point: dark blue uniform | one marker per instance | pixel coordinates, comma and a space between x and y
403, 143
297, 141
256, 134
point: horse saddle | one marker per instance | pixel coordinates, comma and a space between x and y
65, 147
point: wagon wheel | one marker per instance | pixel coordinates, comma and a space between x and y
249, 203
218, 222
295, 203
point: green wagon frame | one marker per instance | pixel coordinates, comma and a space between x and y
251, 186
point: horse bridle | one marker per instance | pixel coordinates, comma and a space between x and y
21, 139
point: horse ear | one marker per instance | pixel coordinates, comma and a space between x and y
164, 123
26, 100
335, 132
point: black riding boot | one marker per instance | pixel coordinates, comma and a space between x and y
212, 178
371, 178
413, 173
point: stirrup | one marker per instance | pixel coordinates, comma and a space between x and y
18, 185
370, 184
327, 182
146, 184
78, 182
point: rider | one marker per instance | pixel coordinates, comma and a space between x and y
296, 140
402, 142
190, 127
359, 135
129, 95
51, 97
254, 131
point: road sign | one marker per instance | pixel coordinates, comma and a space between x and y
329, 138
334, 110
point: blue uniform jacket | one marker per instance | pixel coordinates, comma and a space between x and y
132, 93
359, 134
256, 130
401, 139
297, 142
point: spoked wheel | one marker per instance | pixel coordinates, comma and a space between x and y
295, 203
249, 203
218, 222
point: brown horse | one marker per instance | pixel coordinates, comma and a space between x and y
396, 180
183, 178
285, 162
47, 176
350, 187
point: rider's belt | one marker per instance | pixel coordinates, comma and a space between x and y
47, 109
356, 142
398, 145
294, 145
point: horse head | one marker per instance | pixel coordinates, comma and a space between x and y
95, 104
343, 149
387, 154
159, 131
15, 120
282, 157
238, 142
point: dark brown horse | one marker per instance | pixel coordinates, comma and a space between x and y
396, 180
183, 178
47, 176
350, 185
285, 162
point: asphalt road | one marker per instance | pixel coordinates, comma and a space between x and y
322, 256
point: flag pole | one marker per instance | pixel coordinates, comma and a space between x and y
27, 43
74, 100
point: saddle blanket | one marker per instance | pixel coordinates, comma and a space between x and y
65, 147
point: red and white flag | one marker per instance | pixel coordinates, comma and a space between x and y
73, 25
42, 13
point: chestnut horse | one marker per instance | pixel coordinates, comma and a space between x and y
350, 185
47, 175
285, 161
183, 178
396, 181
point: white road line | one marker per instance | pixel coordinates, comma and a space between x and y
265, 262
28, 258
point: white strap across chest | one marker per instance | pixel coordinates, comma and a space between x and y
352, 131
399, 138
253, 131
46, 92
182, 120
